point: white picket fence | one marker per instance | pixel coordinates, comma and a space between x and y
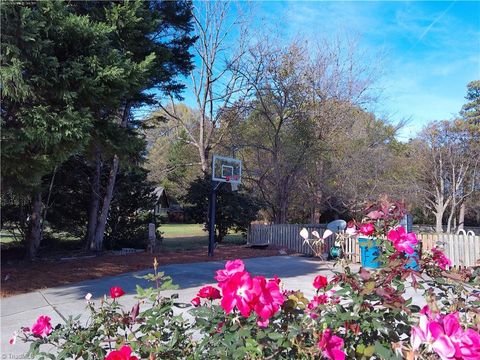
462, 249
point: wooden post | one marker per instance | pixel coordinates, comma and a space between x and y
152, 238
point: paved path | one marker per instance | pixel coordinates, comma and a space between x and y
22, 310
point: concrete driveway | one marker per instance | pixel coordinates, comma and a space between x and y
296, 272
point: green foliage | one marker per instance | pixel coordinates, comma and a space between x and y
172, 160
235, 209
150, 326
370, 311
131, 210
71, 72
471, 110
46, 51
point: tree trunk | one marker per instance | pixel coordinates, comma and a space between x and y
94, 203
283, 210
438, 221
34, 235
47, 204
449, 221
315, 215
102, 218
461, 217
203, 158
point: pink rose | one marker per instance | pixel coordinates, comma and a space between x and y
269, 297
470, 345
317, 300
331, 346
195, 301
440, 258
13, 339
367, 229
209, 292
446, 336
238, 291
231, 268
123, 354
320, 282
42, 327
116, 292
402, 241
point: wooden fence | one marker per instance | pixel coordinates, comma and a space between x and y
283, 235
462, 250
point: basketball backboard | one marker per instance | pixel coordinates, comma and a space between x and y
225, 169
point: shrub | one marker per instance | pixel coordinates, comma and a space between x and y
354, 314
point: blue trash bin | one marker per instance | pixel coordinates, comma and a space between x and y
413, 261
369, 253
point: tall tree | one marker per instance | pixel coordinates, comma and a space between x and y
448, 166
173, 160
73, 73
471, 110
222, 40
471, 114
47, 78
300, 95
154, 39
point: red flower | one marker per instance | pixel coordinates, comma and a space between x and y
13, 339
116, 292
367, 229
231, 268
402, 241
320, 282
269, 298
440, 258
317, 300
122, 354
195, 301
42, 327
331, 346
209, 292
238, 292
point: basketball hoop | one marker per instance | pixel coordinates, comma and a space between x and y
224, 170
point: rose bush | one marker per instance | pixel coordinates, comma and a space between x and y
351, 314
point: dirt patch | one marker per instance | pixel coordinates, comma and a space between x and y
30, 276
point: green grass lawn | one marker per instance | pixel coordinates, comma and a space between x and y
7, 236
175, 237
191, 236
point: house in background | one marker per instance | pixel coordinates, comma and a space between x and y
167, 206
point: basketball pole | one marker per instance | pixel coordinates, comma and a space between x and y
212, 207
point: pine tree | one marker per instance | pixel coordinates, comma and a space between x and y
71, 73
471, 110
46, 70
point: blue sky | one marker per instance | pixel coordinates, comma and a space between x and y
430, 50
